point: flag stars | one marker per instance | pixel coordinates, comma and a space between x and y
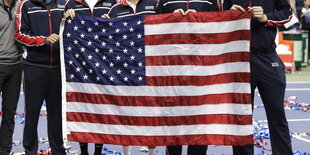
97, 50
125, 23
104, 71
110, 37
117, 44
77, 55
82, 35
97, 64
90, 57
125, 79
69, 21
89, 43
69, 48
85, 77
132, 43
117, 30
82, 22
89, 29
75, 28
96, 36
140, 64
78, 69
140, 78
103, 44
125, 37
132, 57
82, 49
96, 24
139, 50
68, 34
125, 50
111, 78
133, 71
139, 22
90, 71
110, 24
104, 57
103, 30
70, 62
139, 36
75, 42
125, 65
110, 50
84, 63
118, 71
131, 29
71, 76
97, 78
111, 64
118, 57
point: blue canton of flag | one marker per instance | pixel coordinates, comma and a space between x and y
115, 56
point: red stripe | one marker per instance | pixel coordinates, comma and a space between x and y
197, 17
199, 60
157, 100
161, 140
22, 38
275, 23
185, 38
159, 121
197, 80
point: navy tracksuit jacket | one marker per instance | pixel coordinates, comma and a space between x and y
81, 7
122, 9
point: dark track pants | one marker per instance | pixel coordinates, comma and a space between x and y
10, 80
42, 84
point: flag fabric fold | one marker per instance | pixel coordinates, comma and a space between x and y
157, 80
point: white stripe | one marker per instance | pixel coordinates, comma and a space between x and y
207, 109
30, 12
197, 70
288, 64
187, 1
197, 49
289, 120
218, 129
159, 90
204, 28
102, 8
281, 21
125, 15
81, 9
297, 89
151, 12
301, 138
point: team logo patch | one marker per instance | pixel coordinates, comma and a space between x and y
107, 4
275, 64
149, 7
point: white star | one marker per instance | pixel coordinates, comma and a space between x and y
85, 77
96, 23
71, 76
69, 48
103, 44
111, 64
78, 69
96, 36
117, 30
118, 58
118, 71
90, 71
82, 22
125, 23
97, 50
125, 78
110, 37
68, 34
110, 24
139, 36
84, 63
70, 62
132, 57
140, 78
132, 71
97, 64
90, 57
117, 44
125, 50
124, 36
98, 78
110, 50
103, 30
69, 21
89, 29
139, 50
125, 64
132, 43
75, 28
140, 64
89, 43
77, 55
82, 35
75, 41
139, 22
111, 78
104, 71
104, 57
131, 29
82, 49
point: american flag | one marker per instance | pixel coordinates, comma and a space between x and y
157, 80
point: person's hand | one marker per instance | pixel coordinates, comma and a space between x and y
237, 7
53, 38
70, 13
105, 16
179, 11
190, 10
258, 12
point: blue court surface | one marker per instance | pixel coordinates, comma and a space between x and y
299, 123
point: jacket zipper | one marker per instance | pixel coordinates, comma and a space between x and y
51, 29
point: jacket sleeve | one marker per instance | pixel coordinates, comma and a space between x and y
282, 15
23, 31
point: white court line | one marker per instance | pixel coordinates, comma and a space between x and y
301, 138
289, 120
297, 89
